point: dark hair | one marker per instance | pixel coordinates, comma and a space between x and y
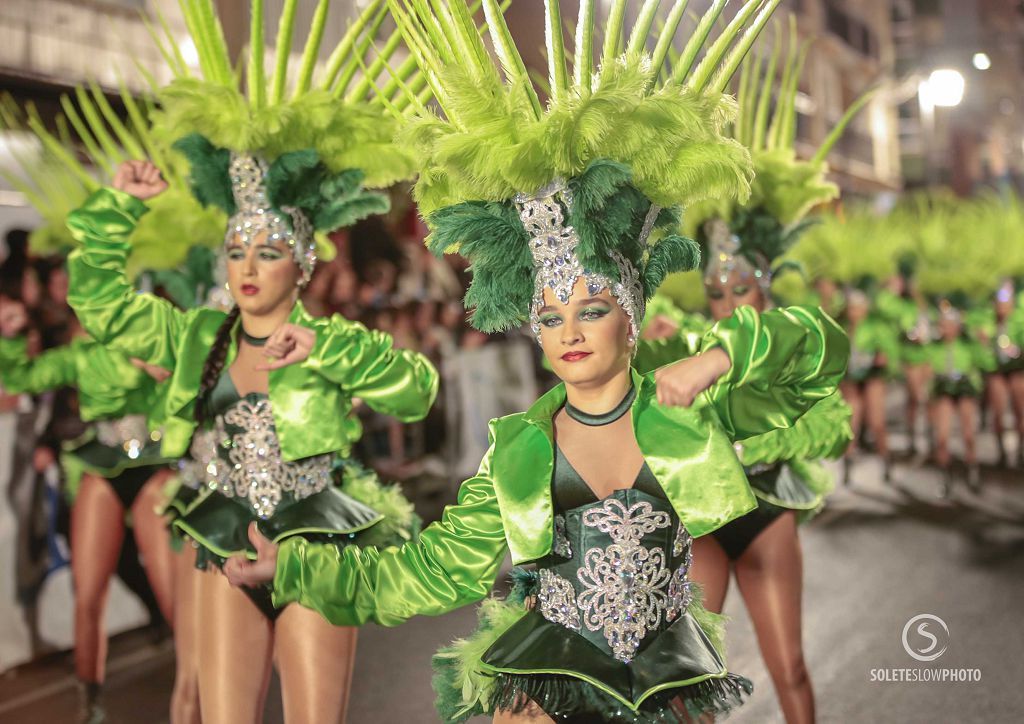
213, 366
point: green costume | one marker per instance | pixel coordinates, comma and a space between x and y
113, 393
957, 367
302, 446
783, 362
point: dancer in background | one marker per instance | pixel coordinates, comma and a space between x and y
744, 245
111, 474
273, 383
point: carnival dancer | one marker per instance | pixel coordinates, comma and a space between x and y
271, 384
603, 483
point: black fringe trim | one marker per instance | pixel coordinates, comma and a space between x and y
563, 696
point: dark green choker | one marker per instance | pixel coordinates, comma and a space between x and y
254, 341
605, 418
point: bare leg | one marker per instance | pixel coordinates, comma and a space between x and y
710, 569
874, 415
770, 577
917, 386
315, 662
185, 698
968, 409
235, 643
1017, 401
150, 531
97, 531
997, 394
942, 420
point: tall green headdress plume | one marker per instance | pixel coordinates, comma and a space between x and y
589, 184
852, 245
964, 247
756, 232
288, 153
66, 167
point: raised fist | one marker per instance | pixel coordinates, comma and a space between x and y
141, 179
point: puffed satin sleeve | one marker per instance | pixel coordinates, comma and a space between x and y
141, 325
783, 361
454, 563
364, 363
50, 370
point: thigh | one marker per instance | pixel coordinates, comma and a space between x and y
770, 577
97, 532
710, 570
235, 643
314, 660
874, 400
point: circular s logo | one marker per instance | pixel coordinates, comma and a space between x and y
925, 637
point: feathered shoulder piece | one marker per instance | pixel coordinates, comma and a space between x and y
56, 173
589, 180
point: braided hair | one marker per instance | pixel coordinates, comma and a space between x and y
214, 365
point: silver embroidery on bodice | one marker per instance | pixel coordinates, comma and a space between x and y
250, 465
128, 433
628, 589
561, 545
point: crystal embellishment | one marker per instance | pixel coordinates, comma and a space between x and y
553, 243
254, 214
561, 545
557, 600
128, 433
625, 586
253, 468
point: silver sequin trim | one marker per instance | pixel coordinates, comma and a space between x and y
557, 600
255, 470
129, 433
254, 215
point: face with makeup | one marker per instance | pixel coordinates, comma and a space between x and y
262, 276
856, 307
950, 326
739, 288
585, 341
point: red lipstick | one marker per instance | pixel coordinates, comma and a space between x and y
250, 289
575, 356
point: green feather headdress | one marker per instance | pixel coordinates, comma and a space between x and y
603, 167
63, 173
785, 189
311, 141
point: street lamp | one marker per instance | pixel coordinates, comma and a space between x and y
944, 88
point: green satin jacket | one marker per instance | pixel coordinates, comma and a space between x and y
311, 399
782, 363
109, 385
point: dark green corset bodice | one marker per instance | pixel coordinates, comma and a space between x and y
244, 462
617, 574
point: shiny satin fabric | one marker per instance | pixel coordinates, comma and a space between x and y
784, 361
347, 360
875, 335
109, 385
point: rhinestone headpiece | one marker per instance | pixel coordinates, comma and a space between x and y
725, 258
553, 245
255, 215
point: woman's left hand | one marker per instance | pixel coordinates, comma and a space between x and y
243, 572
680, 383
289, 344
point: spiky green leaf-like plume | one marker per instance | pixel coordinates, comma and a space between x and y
629, 136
